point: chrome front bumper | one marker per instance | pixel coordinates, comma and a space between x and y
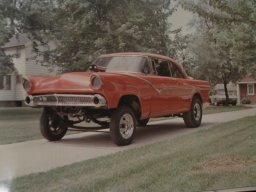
96, 100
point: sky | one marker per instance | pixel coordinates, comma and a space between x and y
181, 18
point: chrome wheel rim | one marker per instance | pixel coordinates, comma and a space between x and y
197, 111
126, 126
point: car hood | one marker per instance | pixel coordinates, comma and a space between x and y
67, 82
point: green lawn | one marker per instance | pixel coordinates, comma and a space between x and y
18, 112
219, 109
22, 124
19, 124
221, 157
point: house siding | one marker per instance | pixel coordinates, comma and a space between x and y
9, 95
25, 65
33, 68
243, 93
19, 63
16, 93
19, 92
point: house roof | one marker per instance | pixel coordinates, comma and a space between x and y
16, 41
247, 79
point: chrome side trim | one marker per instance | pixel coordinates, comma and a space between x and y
96, 100
146, 81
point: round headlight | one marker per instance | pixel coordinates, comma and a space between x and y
96, 82
27, 85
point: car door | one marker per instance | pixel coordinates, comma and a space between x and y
165, 101
184, 89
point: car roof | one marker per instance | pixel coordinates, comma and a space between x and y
154, 55
139, 54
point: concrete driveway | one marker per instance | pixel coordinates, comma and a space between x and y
40, 155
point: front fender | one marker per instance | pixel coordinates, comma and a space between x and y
115, 87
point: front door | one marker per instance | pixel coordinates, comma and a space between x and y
166, 100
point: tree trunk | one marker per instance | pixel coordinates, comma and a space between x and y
226, 92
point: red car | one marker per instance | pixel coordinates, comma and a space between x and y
123, 89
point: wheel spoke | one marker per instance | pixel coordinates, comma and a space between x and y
50, 127
126, 126
197, 112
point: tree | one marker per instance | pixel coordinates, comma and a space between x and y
227, 42
238, 18
83, 29
213, 60
6, 65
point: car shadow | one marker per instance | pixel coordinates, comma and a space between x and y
143, 135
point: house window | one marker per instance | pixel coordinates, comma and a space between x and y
250, 89
5, 82
18, 79
18, 52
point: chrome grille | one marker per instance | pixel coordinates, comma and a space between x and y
63, 99
66, 100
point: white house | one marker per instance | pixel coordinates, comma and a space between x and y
20, 48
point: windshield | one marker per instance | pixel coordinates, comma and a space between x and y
121, 63
102, 61
222, 92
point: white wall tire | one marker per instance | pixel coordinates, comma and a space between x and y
122, 126
193, 117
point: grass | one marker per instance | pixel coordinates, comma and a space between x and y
220, 109
19, 124
221, 157
22, 124
6, 112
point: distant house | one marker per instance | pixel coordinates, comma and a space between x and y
246, 89
20, 48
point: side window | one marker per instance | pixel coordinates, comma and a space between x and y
154, 63
147, 67
162, 67
175, 71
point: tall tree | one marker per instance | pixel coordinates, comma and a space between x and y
6, 30
83, 29
227, 44
235, 18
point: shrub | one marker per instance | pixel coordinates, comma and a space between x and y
245, 100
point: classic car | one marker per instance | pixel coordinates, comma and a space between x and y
120, 91
218, 96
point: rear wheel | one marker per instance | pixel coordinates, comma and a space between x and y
50, 127
122, 126
193, 117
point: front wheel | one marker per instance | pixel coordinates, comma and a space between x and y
50, 127
122, 126
193, 117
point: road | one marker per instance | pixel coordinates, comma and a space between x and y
40, 155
